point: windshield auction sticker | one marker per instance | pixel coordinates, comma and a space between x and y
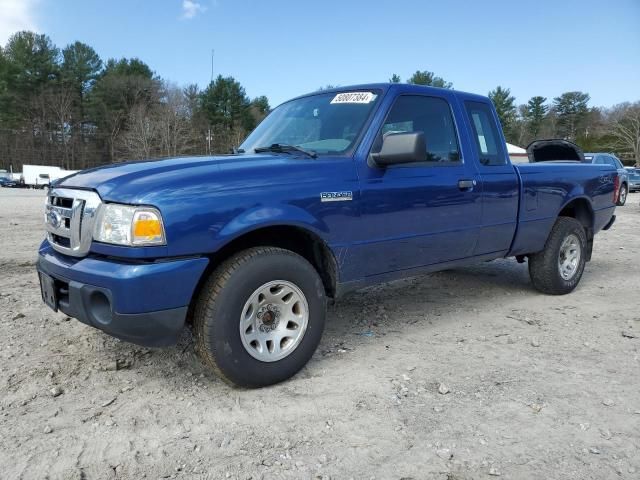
354, 97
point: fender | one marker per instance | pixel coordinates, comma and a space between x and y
270, 216
316, 248
582, 197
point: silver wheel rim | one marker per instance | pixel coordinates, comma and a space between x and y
569, 257
273, 321
623, 194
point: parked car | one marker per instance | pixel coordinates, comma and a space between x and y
334, 191
7, 182
634, 180
611, 159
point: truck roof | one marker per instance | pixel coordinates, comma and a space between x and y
403, 87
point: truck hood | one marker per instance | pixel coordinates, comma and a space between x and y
142, 182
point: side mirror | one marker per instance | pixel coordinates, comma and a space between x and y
401, 148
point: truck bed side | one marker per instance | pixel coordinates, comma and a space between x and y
548, 188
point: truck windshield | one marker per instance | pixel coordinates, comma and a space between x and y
326, 123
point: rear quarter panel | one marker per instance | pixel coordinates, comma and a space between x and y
548, 187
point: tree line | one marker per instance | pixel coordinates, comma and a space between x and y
568, 116
68, 107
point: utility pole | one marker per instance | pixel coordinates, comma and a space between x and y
212, 54
209, 131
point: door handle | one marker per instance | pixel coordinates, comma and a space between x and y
466, 184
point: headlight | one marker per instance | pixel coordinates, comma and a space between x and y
128, 225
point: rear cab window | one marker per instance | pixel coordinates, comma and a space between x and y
486, 136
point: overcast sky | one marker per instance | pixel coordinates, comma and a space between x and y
288, 47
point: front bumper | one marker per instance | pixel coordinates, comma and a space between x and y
143, 303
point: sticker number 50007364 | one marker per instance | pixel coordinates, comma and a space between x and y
354, 97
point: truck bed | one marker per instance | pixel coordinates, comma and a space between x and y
547, 187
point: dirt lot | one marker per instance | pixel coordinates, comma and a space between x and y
539, 387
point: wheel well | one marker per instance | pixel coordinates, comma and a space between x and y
298, 240
580, 209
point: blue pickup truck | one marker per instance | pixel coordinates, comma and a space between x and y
334, 191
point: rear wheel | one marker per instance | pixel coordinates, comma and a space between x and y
260, 316
622, 195
558, 268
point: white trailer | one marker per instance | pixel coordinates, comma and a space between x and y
40, 176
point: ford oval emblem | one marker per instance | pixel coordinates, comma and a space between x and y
54, 219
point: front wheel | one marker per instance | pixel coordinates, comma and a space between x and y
622, 196
558, 268
260, 316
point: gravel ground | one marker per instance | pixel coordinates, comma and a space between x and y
464, 374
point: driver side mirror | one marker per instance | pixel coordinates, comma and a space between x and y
401, 148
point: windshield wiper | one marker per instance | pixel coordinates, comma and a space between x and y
285, 148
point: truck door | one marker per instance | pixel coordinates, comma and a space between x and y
418, 214
500, 187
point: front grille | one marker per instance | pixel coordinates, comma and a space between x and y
69, 218
61, 201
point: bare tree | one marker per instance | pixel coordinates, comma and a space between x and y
60, 100
624, 127
36, 110
119, 100
137, 142
173, 122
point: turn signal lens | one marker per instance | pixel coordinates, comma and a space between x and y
147, 228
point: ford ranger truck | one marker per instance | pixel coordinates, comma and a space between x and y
334, 191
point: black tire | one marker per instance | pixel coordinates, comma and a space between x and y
622, 195
219, 308
544, 268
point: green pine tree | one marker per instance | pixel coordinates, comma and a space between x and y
535, 113
425, 77
505, 106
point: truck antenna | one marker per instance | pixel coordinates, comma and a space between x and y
212, 53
